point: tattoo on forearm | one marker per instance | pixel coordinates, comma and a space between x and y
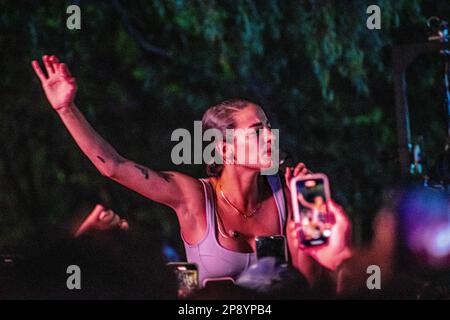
166, 176
101, 159
143, 170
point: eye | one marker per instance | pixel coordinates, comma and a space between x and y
258, 131
252, 133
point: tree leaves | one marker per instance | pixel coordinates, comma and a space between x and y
316, 68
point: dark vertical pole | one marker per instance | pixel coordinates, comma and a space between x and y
402, 111
402, 57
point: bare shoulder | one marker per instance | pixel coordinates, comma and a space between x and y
190, 189
195, 197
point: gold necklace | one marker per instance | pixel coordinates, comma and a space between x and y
245, 215
231, 234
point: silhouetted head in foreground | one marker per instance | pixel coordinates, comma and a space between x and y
112, 265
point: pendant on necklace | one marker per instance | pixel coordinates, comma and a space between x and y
233, 234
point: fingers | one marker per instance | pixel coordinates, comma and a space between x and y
340, 218
293, 232
110, 219
54, 60
123, 224
107, 216
48, 65
295, 243
90, 220
292, 235
291, 226
102, 219
115, 220
97, 210
51, 67
65, 71
336, 209
288, 175
301, 169
104, 214
38, 71
312, 251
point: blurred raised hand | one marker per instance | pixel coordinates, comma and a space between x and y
337, 249
299, 170
102, 219
59, 85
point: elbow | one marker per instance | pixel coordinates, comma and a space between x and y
107, 171
107, 168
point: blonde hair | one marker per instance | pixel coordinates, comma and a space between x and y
221, 117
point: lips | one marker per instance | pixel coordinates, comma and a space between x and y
269, 150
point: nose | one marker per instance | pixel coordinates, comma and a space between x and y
270, 135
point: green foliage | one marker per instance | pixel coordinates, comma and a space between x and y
323, 77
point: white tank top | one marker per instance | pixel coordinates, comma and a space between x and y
215, 261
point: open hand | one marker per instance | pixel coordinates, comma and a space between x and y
59, 85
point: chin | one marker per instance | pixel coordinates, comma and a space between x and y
266, 161
266, 165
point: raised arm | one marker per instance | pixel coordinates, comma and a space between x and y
60, 87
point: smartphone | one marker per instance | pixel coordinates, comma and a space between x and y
222, 282
187, 277
310, 195
271, 246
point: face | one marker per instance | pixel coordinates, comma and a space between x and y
252, 139
318, 201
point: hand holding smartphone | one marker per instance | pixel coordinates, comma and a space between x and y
187, 277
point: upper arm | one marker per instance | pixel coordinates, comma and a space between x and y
170, 188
